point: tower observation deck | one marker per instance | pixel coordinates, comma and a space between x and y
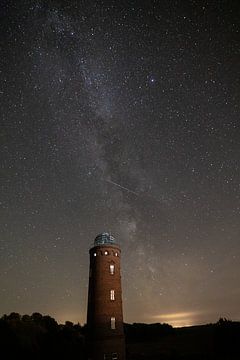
104, 238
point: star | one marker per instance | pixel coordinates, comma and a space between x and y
152, 80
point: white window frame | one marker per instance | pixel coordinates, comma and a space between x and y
112, 269
113, 323
112, 295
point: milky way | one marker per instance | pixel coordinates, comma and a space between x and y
121, 116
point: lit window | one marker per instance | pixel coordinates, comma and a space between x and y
113, 323
105, 252
116, 254
112, 295
111, 269
95, 254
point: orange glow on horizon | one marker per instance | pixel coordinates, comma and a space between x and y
178, 319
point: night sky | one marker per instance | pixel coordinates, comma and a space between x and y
121, 116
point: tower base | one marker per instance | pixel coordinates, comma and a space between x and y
107, 349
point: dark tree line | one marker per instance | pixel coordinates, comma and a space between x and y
138, 332
39, 336
227, 339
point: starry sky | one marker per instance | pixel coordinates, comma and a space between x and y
121, 116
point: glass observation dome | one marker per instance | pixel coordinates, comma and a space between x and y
104, 238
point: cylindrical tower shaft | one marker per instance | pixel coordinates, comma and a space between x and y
105, 317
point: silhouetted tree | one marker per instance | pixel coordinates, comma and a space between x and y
26, 318
37, 317
146, 332
14, 316
39, 337
227, 337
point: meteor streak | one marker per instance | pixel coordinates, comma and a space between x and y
122, 187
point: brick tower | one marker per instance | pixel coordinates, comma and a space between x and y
104, 317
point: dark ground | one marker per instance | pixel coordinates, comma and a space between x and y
39, 337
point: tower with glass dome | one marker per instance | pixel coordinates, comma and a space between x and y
104, 316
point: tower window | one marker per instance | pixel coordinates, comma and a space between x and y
95, 254
110, 356
112, 294
116, 254
105, 252
112, 269
113, 323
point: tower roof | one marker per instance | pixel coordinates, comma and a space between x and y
104, 238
